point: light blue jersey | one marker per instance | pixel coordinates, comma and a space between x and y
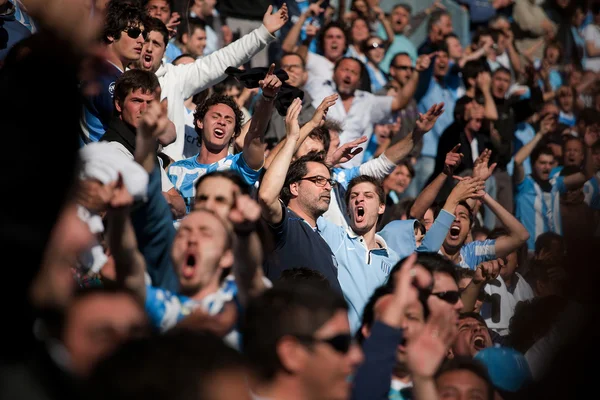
184, 174
591, 189
537, 210
344, 176
474, 253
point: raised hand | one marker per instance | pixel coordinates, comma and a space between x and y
274, 22
346, 152
481, 169
321, 112
315, 9
484, 81
426, 352
424, 61
292, 128
426, 121
488, 271
172, 24
311, 31
271, 84
590, 136
453, 160
467, 188
547, 125
244, 214
154, 121
121, 197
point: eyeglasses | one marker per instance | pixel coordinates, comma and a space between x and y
320, 181
404, 67
340, 343
451, 296
134, 33
375, 45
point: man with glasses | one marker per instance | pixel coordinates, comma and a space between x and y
297, 339
123, 36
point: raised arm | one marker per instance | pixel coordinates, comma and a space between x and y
427, 196
406, 93
274, 179
484, 82
546, 126
153, 124
387, 25
209, 70
254, 149
517, 234
290, 43
317, 120
485, 273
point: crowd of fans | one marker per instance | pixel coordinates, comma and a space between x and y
250, 199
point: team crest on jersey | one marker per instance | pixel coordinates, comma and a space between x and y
111, 88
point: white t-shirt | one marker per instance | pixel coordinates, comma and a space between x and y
319, 69
591, 33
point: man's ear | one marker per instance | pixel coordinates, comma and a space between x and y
118, 106
226, 259
366, 331
381, 209
111, 39
292, 354
450, 354
184, 38
294, 189
199, 124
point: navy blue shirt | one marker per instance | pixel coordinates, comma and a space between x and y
297, 245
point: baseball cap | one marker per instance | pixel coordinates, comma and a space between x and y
507, 367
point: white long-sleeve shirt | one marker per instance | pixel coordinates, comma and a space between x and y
179, 82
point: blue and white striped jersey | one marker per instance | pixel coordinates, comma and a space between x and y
184, 174
343, 176
591, 189
537, 210
474, 253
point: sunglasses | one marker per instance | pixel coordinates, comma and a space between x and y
404, 67
451, 296
134, 33
340, 343
375, 45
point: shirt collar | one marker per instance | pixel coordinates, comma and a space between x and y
378, 239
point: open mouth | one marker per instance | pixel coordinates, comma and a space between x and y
360, 214
147, 61
219, 133
454, 231
334, 46
479, 343
189, 267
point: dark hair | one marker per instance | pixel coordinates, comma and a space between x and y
452, 35
178, 365
291, 53
407, 7
323, 31
156, 25
226, 84
368, 316
120, 16
170, 2
471, 365
501, 69
547, 240
471, 314
304, 275
133, 80
189, 26
538, 151
409, 167
182, 56
480, 229
362, 179
471, 70
471, 216
333, 125
556, 45
229, 174
435, 17
401, 53
589, 116
287, 309
213, 100
338, 62
570, 138
432, 262
464, 273
321, 134
298, 169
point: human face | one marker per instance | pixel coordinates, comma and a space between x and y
359, 31
455, 50
347, 77
565, 100
428, 219
159, 9
552, 54
195, 43
543, 166
361, 6
134, 106
473, 336
200, 251
376, 50
97, 323
307, 146
311, 197
327, 372
440, 66
443, 282
398, 180
413, 324
216, 194
217, 127
292, 64
129, 49
474, 124
53, 284
446, 25
508, 268
364, 207
401, 69
459, 230
573, 153
334, 44
400, 19
500, 84
461, 385
152, 52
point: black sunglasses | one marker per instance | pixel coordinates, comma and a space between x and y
134, 33
451, 296
375, 45
340, 343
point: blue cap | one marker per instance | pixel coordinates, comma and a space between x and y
507, 368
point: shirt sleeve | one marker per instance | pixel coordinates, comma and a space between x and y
559, 184
381, 108
164, 308
331, 233
344, 176
475, 253
400, 237
249, 175
433, 240
165, 182
280, 230
378, 168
